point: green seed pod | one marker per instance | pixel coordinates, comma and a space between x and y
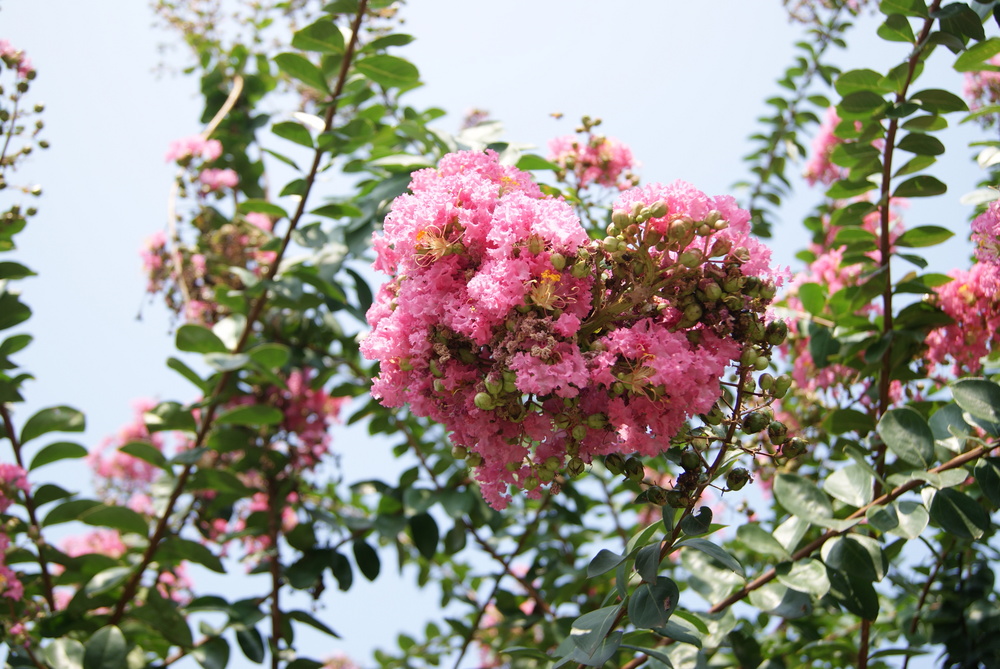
552, 463
531, 483
677, 499
777, 432
693, 312
765, 381
546, 475
700, 438
690, 460
474, 460
690, 259
579, 432
493, 385
761, 363
755, 421
737, 478
439, 386
484, 401
768, 290
795, 447
634, 469
580, 270
713, 291
714, 417
558, 261
776, 332
656, 495
615, 463
781, 385
596, 421
512, 467
636, 209
575, 467
459, 452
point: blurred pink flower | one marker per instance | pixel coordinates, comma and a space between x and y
213, 179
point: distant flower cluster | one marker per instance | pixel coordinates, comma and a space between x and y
986, 234
982, 89
971, 300
540, 349
16, 59
594, 159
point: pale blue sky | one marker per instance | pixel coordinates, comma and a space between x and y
679, 81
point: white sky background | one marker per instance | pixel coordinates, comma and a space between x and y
680, 81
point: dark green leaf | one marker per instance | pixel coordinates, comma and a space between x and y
270, 356
759, 540
367, 559
186, 372
939, 101
64, 653
987, 474
251, 643
865, 104
908, 435
12, 310
177, 549
53, 419
299, 67
61, 450
388, 71
924, 235
854, 81
921, 144
802, 498
813, 297
590, 629
806, 575
145, 451
251, 414
857, 595
323, 36
262, 207
92, 512
917, 8
425, 534
920, 186
650, 605
10, 271
849, 420
106, 649
981, 398
974, 58
603, 562
213, 654
198, 339
714, 551
956, 513
896, 29
169, 416
851, 484
530, 161
309, 619
647, 562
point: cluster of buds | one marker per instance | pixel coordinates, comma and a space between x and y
588, 158
540, 349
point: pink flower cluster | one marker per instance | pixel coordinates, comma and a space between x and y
819, 168
118, 473
539, 349
10, 585
982, 89
15, 58
214, 179
986, 234
12, 480
184, 149
972, 299
594, 159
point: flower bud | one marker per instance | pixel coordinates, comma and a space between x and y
636, 209
596, 421
690, 259
693, 312
579, 432
713, 216
761, 363
439, 386
484, 401
552, 463
580, 270
765, 381
737, 478
781, 385
704, 230
742, 254
493, 385
558, 261
615, 463
531, 483
733, 284
546, 475
658, 209
720, 247
575, 466
459, 452
777, 432
619, 218
712, 291
749, 356
768, 290
474, 460
755, 421
610, 244
536, 244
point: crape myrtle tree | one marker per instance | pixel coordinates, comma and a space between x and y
580, 373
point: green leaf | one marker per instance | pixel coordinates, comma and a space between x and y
11, 271
651, 604
212, 655
802, 498
530, 161
323, 36
923, 185
64, 653
698, 523
251, 414
806, 575
757, 539
974, 58
337, 211
857, 554
680, 631
293, 132
12, 310
61, 450
227, 362
849, 420
857, 595
924, 235
603, 562
813, 297
163, 616
921, 144
714, 551
198, 339
309, 619
647, 562
917, 8
53, 419
424, 531
896, 29
107, 580
177, 549
938, 101
590, 629
866, 104
270, 356
262, 207
93, 512
981, 398
908, 435
169, 416
956, 513
851, 484
251, 643
904, 519
987, 473
106, 649
301, 68
186, 372
367, 559
854, 81
388, 71
779, 600
145, 451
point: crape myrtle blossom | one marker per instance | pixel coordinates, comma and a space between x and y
216, 179
986, 234
594, 159
540, 349
196, 146
16, 59
982, 89
972, 300
819, 168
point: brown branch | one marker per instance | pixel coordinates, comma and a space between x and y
273, 529
132, 585
35, 531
